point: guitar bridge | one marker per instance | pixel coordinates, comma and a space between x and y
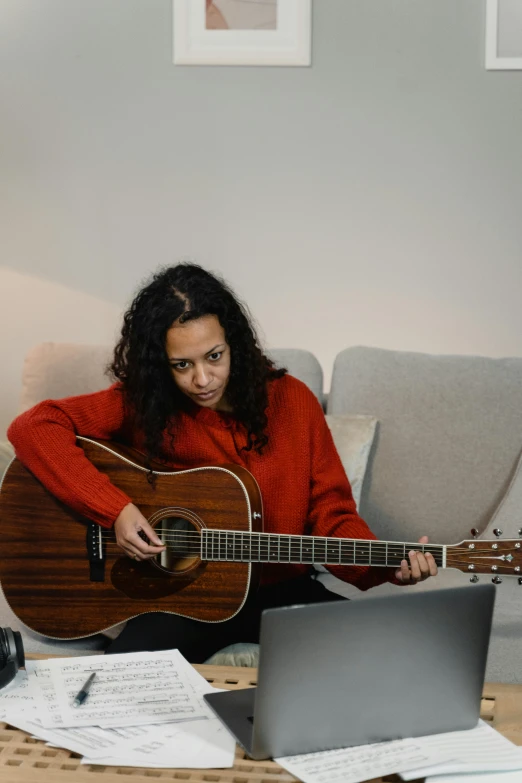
95, 552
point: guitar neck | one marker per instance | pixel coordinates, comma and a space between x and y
226, 545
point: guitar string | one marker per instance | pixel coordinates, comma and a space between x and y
265, 547
306, 538
317, 541
264, 556
377, 547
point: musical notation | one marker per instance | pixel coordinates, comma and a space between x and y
128, 690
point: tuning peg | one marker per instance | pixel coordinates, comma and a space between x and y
497, 532
520, 531
520, 580
474, 532
474, 578
497, 580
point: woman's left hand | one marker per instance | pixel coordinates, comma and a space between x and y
420, 567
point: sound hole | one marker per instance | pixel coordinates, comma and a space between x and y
182, 542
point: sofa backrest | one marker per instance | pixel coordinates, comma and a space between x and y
448, 438
54, 370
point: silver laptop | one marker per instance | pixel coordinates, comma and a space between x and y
347, 673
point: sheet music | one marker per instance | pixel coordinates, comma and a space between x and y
476, 750
363, 762
16, 697
83, 740
196, 743
22, 705
481, 749
202, 744
129, 689
481, 777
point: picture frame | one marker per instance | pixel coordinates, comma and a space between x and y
503, 35
281, 37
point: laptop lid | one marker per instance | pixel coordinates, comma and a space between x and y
349, 673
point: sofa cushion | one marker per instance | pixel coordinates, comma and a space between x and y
450, 431
240, 654
353, 437
55, 370
303, 365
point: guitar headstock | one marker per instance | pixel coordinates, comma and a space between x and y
497, 557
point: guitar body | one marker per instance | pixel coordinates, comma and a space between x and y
46, 571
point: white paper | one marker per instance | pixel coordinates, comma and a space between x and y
352, 765
198, 744
83, 740
193, 744
22, 705
480, 777
481, 749
129, 689
16, 697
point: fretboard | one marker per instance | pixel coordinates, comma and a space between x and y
279, 548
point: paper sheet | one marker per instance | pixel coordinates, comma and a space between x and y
478, 750
481, 777
199, 744
363, 762
16, 697
22, 705
129, 689
196, 743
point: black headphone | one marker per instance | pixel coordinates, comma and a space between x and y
11, 655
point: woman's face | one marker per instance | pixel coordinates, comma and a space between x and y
199, 358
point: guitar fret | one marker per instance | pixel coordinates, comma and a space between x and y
266, 557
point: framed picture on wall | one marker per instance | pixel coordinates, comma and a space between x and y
242, 32
504, 35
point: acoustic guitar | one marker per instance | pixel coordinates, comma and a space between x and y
65, 577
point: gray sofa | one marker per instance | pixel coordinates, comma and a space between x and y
443, 461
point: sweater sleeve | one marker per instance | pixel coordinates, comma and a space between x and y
44, 439
332, 510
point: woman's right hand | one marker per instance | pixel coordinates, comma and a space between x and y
129, 523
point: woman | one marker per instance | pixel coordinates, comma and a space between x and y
193, 388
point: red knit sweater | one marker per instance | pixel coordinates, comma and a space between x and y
302, 481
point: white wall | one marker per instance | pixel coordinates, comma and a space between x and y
374, 198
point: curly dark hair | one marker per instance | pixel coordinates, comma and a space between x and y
186, 292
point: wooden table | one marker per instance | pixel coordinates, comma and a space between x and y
25, 760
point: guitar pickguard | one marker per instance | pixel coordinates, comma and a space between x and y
142, 580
